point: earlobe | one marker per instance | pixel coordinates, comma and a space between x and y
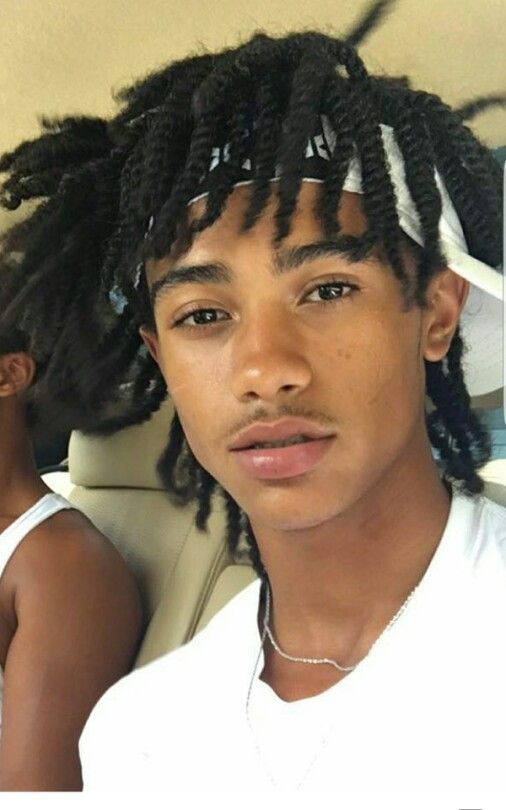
6, 386
17, 371
446, 298
150, 340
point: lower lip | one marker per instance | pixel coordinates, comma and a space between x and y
273, 463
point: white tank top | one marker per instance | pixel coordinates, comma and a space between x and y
10, 539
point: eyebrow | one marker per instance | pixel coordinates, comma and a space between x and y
285, 260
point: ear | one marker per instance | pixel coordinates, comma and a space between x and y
17, 370
151, 340
446, 297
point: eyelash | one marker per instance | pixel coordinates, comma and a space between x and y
180, 322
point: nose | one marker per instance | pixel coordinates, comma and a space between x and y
269, 360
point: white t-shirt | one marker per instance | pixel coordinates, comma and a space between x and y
424, 711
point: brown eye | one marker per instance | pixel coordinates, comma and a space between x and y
201, 317
330, 291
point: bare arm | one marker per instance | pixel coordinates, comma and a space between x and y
79, 625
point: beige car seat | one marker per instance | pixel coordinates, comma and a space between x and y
185, 575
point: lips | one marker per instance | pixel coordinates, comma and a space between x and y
282, 450
263, 433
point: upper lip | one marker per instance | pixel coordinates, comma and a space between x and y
277, 431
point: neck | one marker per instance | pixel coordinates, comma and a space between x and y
20, 484
334, 587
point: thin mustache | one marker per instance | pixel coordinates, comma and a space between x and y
263, 415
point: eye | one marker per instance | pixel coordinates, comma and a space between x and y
330, 291
201, 317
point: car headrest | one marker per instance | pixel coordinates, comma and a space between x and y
126, 458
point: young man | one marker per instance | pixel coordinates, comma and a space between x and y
70, 613
300, 275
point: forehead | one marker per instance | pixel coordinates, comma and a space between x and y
224, 238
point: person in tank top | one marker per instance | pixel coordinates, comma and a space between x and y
70, 613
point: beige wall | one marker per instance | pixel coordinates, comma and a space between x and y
61, 56
66, 55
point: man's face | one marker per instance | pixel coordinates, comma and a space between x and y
328, 342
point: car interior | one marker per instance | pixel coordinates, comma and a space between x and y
58, 62
185, 576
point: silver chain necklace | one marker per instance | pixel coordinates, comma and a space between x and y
299, 659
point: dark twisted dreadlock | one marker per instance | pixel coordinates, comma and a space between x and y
103, 182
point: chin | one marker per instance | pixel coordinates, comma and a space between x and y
289, 523
286, 514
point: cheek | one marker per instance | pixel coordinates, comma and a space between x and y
196, 391
377, 372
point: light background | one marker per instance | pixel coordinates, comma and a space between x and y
66, 56
59, 56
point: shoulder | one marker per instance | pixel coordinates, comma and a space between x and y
493, 528
229, 637
492, 522
138, 711
193, 675
66, 570
480, 529
65, 545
